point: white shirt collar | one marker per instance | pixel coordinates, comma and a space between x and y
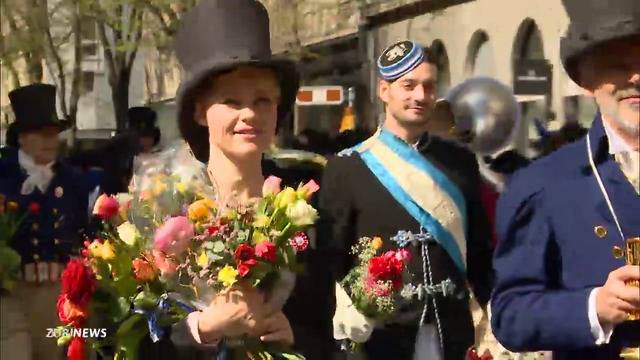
616, 142
39, 176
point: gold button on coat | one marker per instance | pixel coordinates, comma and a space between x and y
600, 231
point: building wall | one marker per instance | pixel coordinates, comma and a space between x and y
500, 19
457, 27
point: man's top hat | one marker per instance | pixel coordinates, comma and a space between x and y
594, 23
219, 35
143, 120
34, 107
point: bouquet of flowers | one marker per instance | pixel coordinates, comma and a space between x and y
168, 248
370, 291
10, 220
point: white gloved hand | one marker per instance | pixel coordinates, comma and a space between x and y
348, 322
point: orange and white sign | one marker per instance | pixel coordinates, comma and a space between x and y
320, 95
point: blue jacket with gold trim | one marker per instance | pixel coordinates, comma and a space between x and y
549, 255
50, 234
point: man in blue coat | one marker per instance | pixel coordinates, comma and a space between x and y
53, 197
563, 222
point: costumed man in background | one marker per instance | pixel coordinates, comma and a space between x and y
564, 220
53, 197
119, 156
405, 179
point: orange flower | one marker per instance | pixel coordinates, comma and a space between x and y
143, 270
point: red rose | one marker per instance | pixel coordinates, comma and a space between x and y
76, 349
78, 282
213, 230
266, 250
34, 208
245, 253
69, 312
386, 268
243, 269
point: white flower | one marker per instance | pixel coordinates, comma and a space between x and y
301, 214
123, 197
128, 233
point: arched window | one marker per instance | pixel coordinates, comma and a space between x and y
441, 60
527, 45
480, 56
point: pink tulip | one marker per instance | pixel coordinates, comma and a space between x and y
403, 255
309, 188
174, 235
106, 207
271, 186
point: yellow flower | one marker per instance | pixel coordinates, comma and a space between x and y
261, 221
227, 275
181, 187
200, 210
286, 197
102, 251
12, 206
159, 187
128, 233
203, 259
376, 243
258, 237
230, 215
301, 214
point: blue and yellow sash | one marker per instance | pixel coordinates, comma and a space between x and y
423, 190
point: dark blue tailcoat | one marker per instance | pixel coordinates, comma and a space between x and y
549, 257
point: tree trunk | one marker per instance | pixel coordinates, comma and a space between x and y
120, 97
76, 73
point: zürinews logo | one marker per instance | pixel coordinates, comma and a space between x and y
86, 333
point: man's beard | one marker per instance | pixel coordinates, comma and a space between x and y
629, 127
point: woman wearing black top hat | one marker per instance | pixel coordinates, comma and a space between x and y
233, 93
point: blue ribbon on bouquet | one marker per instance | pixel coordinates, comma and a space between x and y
162, 308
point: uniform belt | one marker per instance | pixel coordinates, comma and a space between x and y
42, 272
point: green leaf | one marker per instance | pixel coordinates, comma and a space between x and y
292, 356
130, 334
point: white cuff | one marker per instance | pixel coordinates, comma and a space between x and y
601, 334
192, 324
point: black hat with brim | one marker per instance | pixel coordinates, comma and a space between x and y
596, 23
218, 36
34, 108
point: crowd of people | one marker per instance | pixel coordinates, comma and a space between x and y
530, 242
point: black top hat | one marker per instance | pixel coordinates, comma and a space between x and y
219, 35
594, 23
34, 107
143, 120
141, 117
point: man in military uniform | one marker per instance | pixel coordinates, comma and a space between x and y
563, 221
54, 199
405, 179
